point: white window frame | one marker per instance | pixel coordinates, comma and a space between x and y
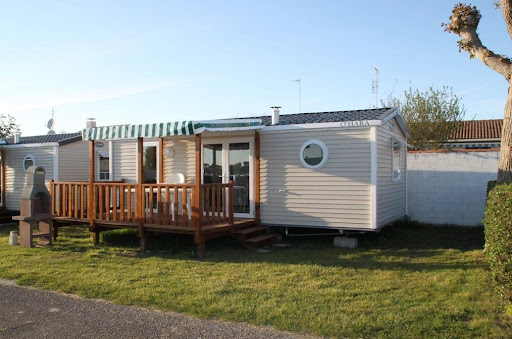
98, 167
393, 143
151, 142
25, 159
325, 152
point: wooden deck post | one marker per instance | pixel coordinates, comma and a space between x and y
197, 210
161, 161
257, 176
138, 197
2, 154
91, 210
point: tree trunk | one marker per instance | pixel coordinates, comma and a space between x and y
505, 164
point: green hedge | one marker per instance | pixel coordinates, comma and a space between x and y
498, 237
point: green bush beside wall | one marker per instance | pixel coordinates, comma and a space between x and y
498, 237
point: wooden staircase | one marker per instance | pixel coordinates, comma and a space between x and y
45, 238
254, 237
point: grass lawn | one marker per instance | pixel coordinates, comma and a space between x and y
407, 281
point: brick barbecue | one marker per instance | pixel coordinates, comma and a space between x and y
35, 210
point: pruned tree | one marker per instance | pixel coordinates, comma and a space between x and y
8, 126
432, 115
464, 22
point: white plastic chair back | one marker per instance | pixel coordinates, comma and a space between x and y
176, 178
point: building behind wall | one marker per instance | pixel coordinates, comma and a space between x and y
476, 134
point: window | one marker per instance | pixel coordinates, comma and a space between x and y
28, 161
104, 167
313, 154
150, 164
397, 155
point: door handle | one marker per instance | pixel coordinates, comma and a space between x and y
281, 191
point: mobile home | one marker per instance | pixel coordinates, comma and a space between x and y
64, 157
342, 170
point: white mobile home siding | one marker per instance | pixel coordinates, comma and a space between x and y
74, 161
124, 160
391, 195
15, 176
184, 158
337, 195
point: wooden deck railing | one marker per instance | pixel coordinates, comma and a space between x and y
166, 204
69, 199
157, 204
216, 207
115, 202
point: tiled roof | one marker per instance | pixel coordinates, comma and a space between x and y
336, 116
43, 139
479, 129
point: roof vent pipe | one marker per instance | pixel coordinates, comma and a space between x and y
17, 137
90, 123
275, 114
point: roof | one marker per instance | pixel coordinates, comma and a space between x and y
61, 139
334, 116
479, 129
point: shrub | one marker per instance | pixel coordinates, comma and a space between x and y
498, 237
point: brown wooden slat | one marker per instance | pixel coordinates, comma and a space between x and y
159, 206
121, 203
175, 202
82, 207
150, 206
129, 202
101, 194
184, 206
167, 210
224, 214
214, 204
107, 202
64, 201
142, 205
219, 201
230, 199
207, 207
114, 202
70, 202
52, 190
75, 212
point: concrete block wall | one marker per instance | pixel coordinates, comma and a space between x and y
449, 187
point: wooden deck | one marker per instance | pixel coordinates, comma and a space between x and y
210, 229
148, 208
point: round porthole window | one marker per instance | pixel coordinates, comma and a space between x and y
28, 161
313, 154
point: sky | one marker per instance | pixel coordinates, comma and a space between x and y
125, 62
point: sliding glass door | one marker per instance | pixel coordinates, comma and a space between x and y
231, 159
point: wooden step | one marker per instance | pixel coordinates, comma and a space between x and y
262, 238
250, 230
41, 235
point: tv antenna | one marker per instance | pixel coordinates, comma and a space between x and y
300, 94
51, 123
375, 86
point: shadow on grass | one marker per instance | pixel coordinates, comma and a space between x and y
405, 246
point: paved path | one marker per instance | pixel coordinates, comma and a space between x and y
31, 313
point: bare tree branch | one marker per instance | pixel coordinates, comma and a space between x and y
464, 22
506, 9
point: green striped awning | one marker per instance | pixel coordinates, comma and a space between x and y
168, 129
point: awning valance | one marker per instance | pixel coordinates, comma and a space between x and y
169, 129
